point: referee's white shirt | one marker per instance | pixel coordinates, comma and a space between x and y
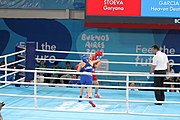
160, 60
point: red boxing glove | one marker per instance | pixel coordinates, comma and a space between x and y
77, 66
93, 58
98, 53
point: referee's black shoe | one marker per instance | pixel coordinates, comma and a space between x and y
158, 103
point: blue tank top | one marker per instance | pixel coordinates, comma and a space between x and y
87, 68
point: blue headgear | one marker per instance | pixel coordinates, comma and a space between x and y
85, 58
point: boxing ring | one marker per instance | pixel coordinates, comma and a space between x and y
61, 101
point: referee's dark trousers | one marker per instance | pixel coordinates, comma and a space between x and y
159, 82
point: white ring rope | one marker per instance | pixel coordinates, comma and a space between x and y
109, 54
50, 109
95, 86
110, 62
102, 74
101, 80
97, 71
11, 54
86, 99
21, 79
63, 98
8, 74
12, 63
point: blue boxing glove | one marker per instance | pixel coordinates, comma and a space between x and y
98, 57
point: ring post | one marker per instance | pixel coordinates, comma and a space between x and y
127, 94
30, 60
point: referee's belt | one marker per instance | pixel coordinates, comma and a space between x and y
160, 70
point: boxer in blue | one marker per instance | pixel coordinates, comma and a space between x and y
86, 66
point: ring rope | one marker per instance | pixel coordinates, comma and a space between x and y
7, 84
97, 71
102, 74
95, 86
11, 54
87, 99
101, 80
12, 63
110, 62
63, 98
3, 76
109, 54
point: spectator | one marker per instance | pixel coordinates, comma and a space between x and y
170, 71
177, 85
40, 78
170, 79
42, 75
56, 75
68, 66
42, 64
133, 85
2, 63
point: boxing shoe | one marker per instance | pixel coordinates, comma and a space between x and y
92, 104
86, 96
97, 96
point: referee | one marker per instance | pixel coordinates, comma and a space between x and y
160, 65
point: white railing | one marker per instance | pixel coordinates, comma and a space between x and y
5, 57
127, 87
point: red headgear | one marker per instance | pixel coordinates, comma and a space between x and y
98, 53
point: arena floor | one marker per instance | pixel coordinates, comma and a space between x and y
56, 104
